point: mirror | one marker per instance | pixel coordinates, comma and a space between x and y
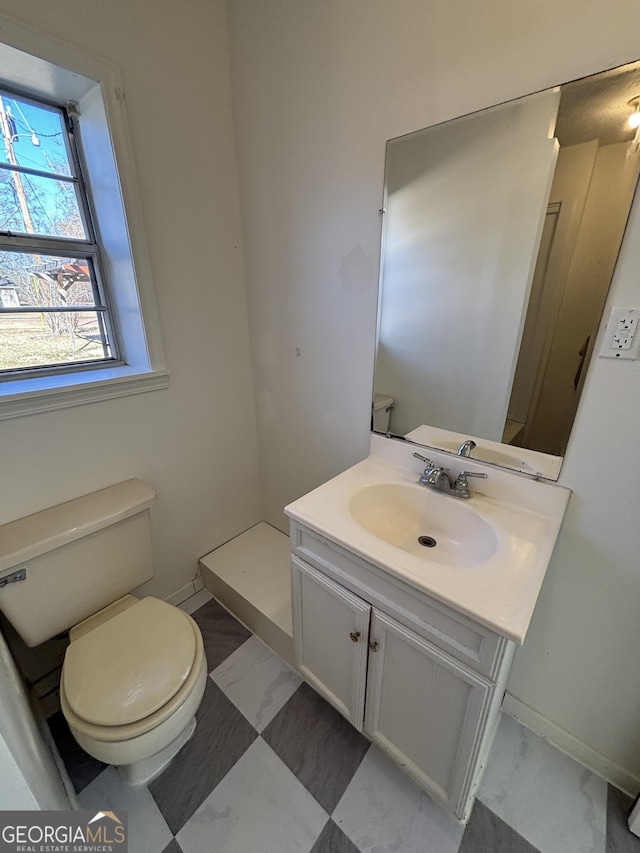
500, 237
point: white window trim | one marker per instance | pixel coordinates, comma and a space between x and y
48, 68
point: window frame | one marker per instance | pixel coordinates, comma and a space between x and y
85, 248
37, 66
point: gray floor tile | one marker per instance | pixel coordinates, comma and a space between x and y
81, 767
620, 839
317, 744
486, 833
196, 601
172, 847
221, 737
333, 840
222, 634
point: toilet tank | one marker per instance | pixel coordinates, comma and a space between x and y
65, 563
382, 407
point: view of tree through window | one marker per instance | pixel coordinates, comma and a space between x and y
52, 309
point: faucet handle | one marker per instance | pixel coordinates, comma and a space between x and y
429, 462
461, 485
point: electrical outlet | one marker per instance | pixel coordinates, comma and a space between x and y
622, 335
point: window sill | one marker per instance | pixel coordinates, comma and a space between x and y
48, 393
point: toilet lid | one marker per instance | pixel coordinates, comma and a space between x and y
131, 665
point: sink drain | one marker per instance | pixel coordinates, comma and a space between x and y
427, 541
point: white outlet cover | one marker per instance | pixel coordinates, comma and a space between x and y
622, 334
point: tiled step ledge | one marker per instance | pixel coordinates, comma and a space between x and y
250, 576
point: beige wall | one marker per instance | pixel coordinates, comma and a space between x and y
194, 443
317, 89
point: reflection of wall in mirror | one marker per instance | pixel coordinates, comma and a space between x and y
464, 218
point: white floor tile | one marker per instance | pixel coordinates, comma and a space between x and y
382, 811
191, 604
547, 797
258, 806
148, 831
257, 681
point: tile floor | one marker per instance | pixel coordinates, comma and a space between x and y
272, 768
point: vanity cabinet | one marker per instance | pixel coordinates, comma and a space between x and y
331, 636
421, 681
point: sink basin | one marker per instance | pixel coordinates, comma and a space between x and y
421, 522
490, 553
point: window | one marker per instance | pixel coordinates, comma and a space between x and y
53, 302
77, 311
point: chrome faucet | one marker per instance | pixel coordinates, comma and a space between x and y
466, 447
436, 477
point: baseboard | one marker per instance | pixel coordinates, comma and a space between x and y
185, 592
571, 746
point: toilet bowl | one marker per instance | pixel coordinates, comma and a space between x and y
132, 680
135, 670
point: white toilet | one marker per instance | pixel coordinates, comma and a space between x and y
135, 671
381, 407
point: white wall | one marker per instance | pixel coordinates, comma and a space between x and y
194, 443
318, 88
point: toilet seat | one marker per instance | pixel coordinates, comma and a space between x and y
132, 672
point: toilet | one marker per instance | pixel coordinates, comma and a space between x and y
381, 408
135, 671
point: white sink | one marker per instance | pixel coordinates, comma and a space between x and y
491, 552
424, 523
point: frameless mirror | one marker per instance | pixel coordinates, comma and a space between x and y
501, 233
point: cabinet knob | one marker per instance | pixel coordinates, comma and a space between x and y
355, 636
373, 645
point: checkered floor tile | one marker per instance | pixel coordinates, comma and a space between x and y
272, 768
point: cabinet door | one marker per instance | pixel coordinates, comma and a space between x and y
425, 710
331, 630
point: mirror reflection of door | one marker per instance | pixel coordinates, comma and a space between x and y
590, 197
546, 293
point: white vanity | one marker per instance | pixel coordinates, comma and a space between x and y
413, 642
